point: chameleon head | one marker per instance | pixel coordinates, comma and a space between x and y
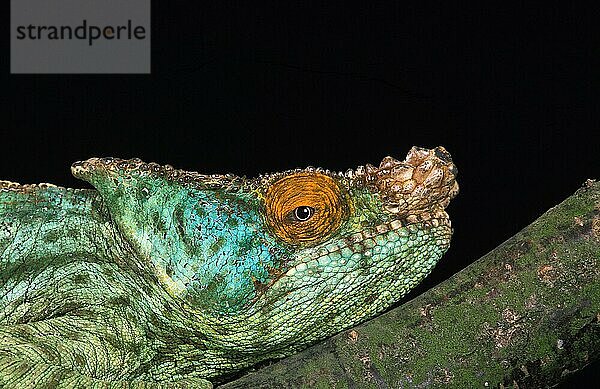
361, 240
277, 262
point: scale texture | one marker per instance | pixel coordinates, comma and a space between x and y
166, 278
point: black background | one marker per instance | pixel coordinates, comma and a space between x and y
512, 92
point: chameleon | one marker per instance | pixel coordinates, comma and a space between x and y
165, 278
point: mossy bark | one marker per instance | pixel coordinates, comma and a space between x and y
524, 315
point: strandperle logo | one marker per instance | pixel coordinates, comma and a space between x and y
80, 36
84, 31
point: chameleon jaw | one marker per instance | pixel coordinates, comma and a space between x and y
397, 257
401, 228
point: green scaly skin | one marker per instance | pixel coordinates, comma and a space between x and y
166, 278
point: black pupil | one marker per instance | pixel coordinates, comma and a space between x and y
303, 213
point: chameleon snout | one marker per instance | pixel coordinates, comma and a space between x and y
424, 182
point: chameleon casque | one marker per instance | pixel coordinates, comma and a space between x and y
166, 278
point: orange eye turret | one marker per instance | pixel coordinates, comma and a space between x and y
305, 207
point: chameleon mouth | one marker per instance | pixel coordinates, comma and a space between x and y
424, 182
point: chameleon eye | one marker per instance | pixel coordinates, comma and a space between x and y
303, 213
305, 207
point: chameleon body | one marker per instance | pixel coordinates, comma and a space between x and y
163, 278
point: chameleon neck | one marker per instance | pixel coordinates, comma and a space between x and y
67, 234
62, 255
